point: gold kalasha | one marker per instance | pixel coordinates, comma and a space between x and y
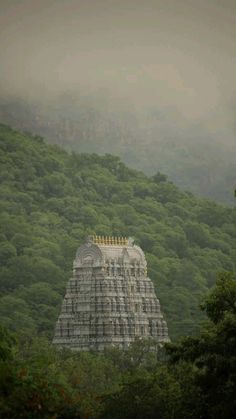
110, 241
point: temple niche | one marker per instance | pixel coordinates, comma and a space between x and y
109, 301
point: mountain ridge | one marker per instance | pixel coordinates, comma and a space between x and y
192, 154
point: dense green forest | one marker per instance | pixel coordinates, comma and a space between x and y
51, 200
193, 379
193, 156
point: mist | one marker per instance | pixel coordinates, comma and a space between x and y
170, 53
155, 71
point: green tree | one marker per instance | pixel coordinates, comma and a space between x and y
213, 353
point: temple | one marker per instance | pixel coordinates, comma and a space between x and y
109, 301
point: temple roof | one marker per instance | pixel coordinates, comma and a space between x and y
109, 249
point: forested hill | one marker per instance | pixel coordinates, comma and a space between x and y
193, 156
51, 200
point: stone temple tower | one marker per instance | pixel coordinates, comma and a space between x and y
109, 301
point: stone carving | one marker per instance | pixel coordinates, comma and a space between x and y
110, 301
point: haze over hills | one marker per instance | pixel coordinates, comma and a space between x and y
152, 139
150, 81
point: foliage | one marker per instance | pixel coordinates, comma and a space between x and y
51, 200
39, 382
198, 380
155, 139
193, 378
213, 352
30, 388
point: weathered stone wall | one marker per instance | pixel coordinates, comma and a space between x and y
110, 300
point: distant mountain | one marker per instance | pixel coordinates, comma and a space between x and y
153, 140
51, 200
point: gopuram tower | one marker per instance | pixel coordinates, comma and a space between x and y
109, 301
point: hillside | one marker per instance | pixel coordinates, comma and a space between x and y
51, 200
195, 156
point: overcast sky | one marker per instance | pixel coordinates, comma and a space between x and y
177, 53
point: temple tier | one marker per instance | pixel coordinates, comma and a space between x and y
109, 301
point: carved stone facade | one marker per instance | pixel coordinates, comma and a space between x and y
109, 301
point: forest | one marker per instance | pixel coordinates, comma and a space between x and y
194, 378
157, 138
50, 201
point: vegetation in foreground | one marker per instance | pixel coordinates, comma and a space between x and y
195, 378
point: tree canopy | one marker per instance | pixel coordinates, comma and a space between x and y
51, 200
193, 378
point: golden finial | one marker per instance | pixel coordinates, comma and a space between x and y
109, 240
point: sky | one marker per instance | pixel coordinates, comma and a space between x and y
167, 53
